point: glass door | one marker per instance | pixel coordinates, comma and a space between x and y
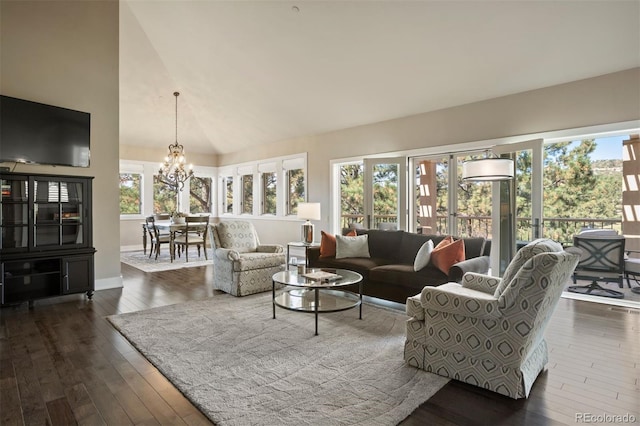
444, 204
471, 203
519, 207
385, 205
431, 212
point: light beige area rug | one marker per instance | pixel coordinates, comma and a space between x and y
141, 261
241, 367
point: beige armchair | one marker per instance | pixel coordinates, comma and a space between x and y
489, 331
241, 264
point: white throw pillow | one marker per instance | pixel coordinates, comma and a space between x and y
352, 246
423, 256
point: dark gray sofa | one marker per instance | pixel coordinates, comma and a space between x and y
388, 274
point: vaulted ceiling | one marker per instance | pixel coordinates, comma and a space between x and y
256, 72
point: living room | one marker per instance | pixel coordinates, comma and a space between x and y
84, 68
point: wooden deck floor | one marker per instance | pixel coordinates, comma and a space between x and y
63, 363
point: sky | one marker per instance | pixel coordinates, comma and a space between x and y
609, 148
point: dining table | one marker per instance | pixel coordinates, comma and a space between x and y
173, 229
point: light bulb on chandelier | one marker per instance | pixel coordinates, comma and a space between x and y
172, 171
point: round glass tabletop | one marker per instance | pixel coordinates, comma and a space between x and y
307, 280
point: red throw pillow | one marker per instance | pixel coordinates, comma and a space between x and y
328, 243
447, 253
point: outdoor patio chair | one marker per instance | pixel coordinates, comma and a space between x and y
602, 260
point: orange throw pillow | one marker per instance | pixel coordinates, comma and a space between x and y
447, 253
328, 243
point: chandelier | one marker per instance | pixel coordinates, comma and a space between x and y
172, 171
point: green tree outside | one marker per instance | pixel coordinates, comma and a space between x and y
130, 199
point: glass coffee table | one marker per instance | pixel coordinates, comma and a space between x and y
303, 294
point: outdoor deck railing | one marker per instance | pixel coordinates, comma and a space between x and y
557, 228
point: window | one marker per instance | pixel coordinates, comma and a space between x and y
269, 198
583, 187
274, 186
295, 189
247, 194
352, 194
432, 195
164, 197
200, 195
130, 193
227, 199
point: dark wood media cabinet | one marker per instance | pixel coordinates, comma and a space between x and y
46, 244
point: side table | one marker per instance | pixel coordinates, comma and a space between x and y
298, 244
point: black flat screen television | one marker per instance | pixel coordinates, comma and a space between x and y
31, 132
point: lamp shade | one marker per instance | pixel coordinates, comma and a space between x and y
309, 211
487, 169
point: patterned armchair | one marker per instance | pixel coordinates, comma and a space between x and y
488, 331
241, 264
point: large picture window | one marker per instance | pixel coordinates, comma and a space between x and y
200, 195
130, 193
164, 197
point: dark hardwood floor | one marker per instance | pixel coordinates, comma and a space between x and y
63, 363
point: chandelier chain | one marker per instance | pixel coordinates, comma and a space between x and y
176, 94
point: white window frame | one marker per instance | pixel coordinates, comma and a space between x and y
149, 170
138, 169
279, 165
288, 164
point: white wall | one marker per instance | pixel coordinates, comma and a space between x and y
606, 99
65, 53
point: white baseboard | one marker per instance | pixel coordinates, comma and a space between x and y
603, 300
108, 283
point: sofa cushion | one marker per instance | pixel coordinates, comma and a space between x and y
361, 265
352, 246
447, 253
384, 243
328, 243
404, 275
423, 256
410, 245
474, 247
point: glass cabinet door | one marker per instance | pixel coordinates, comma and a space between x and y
72, 207
58, 207
14, 216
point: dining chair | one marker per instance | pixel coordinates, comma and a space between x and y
156, 238
195, 234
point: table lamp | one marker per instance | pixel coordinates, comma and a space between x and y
308, 212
